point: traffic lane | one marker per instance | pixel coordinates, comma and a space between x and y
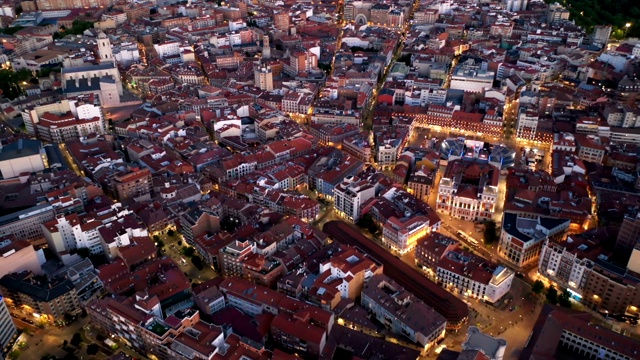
21, 324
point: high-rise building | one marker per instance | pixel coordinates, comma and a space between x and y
516, 5
350, 195
263, 78
7, 327
628, 235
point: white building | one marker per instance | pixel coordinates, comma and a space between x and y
569, 262
19, 256
167, 48
402, 234
402, 312
21, 156
461, 271
7, 328
527, 122
84, 107
516, 5
472, 78
493, 348
350, 195
521, 238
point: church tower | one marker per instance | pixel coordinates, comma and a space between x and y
266, 49
104, 48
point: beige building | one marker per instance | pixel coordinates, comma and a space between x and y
263, 78
37, 294
20, 157
342, 277
19, 256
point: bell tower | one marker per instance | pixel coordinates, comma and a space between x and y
104, 48
266, 49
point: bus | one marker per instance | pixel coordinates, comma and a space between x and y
471, 240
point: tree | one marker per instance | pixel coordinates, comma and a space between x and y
187, 251
197, 262
490, 232
564, 299
14, 354
10, 82
18, 10
156, 238
92, 349
325, 67
84, 252
229, 224
159, 244
406, 59
552, 295
537, 287
76, 340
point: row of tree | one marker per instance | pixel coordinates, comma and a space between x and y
552, 295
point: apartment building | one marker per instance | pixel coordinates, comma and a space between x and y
19, 256
350, 195
420, 183
22, 156
26, 224
402, 312
402, 234
455, 269
232, 257
629, 234
577, 334
589, 149
342, 277
8, 329
52, 298
131, 184
468, 190
358, 145
522, 239
569, 262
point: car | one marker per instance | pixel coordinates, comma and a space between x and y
14, 315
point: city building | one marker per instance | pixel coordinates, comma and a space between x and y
569, 262
402, 234
8, 330
402, 312
629, 234
19, 256
469, 190
420, 183
342, 277
27, 224
101, 79
472, 77
522, 239
50, 298
232, 257
566, 332
263, 78
131, 184
493, 348
445, 262
22, 156
350, 195
66, 119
